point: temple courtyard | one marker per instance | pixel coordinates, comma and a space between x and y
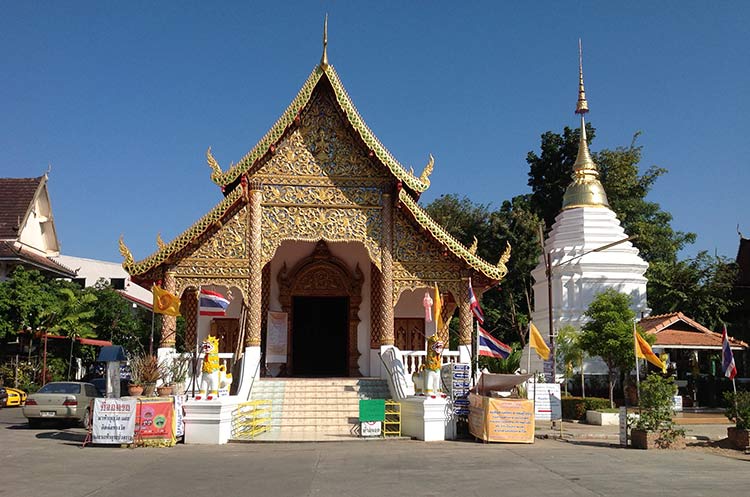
50, 461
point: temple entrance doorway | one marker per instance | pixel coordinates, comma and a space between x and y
320, 336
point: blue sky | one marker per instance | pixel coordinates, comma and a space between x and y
124, 98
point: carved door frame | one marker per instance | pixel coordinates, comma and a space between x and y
321, 274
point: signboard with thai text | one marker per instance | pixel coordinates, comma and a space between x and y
501, 420
113, 421
276, 332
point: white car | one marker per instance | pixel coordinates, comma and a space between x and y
61, 400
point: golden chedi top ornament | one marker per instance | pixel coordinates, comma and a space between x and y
586, 190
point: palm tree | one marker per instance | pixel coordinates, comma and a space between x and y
73, 316
570, 353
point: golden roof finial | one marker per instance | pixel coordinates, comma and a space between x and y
586, 189
582, 106
324, 58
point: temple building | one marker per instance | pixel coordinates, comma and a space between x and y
320, 225
587, 251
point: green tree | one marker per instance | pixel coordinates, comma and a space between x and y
25, 298
701, 287
118, 321
609, 334
507, 309
72, 315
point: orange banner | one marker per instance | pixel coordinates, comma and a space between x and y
501, 420
155, 421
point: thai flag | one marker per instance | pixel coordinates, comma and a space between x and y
727, 358
474, 305
492, 347
213, 304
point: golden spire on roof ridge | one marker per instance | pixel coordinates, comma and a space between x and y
586, 189
324, 57
582, 106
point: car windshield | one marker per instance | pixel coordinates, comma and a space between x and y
71, 388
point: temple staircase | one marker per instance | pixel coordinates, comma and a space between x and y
314, 409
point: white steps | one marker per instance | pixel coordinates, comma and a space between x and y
301, 407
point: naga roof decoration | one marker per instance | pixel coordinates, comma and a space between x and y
165, 251
224, 178
494, 272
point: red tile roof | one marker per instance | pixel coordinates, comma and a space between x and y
677, 330
15, 252
16, 195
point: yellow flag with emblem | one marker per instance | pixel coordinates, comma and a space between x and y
165, 302
643, 351
537, 343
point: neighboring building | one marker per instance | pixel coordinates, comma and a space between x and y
90, 271
27, 228
693, 353
580, 270
740, 316
28, 238
320, 224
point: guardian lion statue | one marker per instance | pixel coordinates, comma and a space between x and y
209, 386
427, 381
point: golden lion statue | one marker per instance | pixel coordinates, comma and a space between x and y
209, 369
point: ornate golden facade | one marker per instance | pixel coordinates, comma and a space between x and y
319, 175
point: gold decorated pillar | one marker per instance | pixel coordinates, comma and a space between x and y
464, 313
255, 281
169, 323
386, 279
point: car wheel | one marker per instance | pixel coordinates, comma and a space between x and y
34, 423
86, 419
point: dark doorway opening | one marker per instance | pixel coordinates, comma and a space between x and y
319, 336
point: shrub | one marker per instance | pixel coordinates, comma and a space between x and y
738, 409
657, 409
576, 407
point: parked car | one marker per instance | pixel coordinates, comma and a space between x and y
61, 400
3, 396
16, 397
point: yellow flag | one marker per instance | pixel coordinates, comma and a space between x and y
643, 351
165, 302
537, 343
438, 310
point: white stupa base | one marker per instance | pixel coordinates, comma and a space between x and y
425, 418
209, 421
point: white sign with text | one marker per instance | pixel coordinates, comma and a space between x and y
113, 421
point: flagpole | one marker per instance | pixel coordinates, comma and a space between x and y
528, 357
475, 369
637, 373
195, 349
151, 339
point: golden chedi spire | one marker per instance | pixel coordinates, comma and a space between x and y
324, 57
586, 190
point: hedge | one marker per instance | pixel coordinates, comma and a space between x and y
576, 407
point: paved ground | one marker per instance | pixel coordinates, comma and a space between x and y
50, 462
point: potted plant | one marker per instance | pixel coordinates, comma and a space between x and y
177, 373
738, 411
654, 427
135, 387
151, 372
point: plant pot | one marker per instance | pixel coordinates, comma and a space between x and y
149, 389
739, 438
642, 439
178, 388
602, 418
135, 390
164, 390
